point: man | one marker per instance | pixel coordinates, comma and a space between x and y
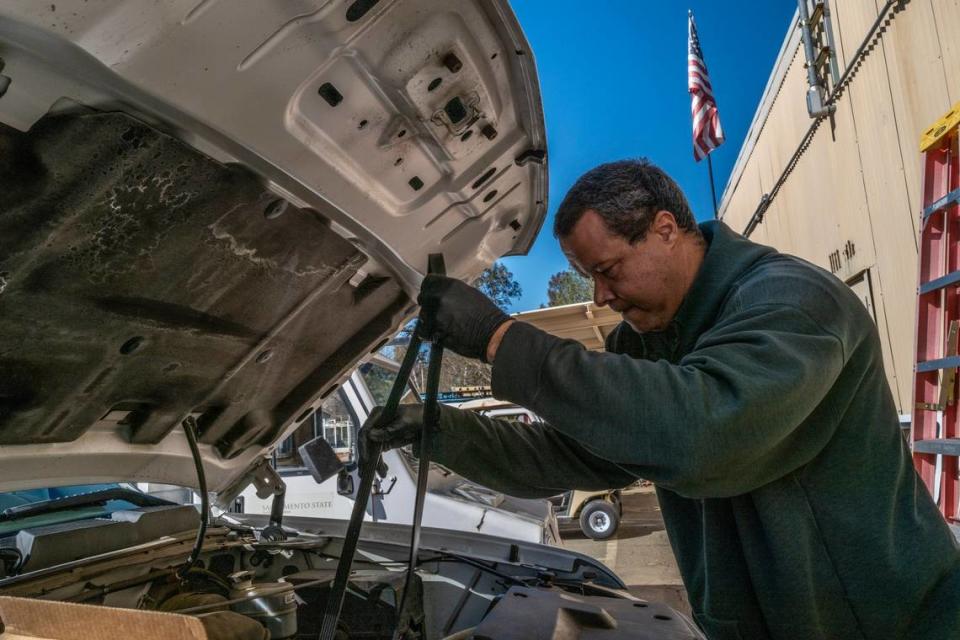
748, 385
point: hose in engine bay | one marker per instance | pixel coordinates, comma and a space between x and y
190, 429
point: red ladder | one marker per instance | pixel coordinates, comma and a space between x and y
935, 426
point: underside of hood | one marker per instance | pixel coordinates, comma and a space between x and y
216, 209
148, 282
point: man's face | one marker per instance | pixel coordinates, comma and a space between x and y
641, 281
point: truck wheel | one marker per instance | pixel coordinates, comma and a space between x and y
599, 520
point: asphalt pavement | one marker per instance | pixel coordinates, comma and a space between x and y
639, 552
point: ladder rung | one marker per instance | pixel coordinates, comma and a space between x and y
945, 446
940, 283
942, 203
941, 363
817, 15
823, 57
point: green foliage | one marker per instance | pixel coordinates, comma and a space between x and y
568, 287
457, 371
498, 284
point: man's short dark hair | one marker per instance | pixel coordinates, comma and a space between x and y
627, 194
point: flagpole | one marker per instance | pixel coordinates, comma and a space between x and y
713, 190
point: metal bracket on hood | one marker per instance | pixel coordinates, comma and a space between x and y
268, 483
459, 113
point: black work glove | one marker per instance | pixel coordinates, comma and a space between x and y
458, 315
366, 445
404, 429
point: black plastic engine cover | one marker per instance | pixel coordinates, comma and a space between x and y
542, 613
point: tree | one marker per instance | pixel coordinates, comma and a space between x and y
457, 371
498, 284
568, 287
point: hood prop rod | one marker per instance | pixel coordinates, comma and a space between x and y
334, 603
431, 424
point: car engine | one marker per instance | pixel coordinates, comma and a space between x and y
247, 587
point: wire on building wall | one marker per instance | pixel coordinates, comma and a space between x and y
884, 18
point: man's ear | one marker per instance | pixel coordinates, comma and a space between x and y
665, 227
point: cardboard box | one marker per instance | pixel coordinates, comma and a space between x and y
29, 618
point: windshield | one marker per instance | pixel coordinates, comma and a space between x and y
379, 381
17, 500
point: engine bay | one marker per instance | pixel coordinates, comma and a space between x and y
244, 586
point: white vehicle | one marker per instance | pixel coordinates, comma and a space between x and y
597, 513
210, 213
452, 502
498, 409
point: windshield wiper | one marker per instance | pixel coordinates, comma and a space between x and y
82, 500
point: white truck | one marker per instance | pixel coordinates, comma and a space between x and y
598, 513
452, 502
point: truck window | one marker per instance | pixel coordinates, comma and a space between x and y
379, 381
333, 421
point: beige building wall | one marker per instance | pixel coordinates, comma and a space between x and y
854, 193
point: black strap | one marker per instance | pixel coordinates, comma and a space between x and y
335, 599
431, 422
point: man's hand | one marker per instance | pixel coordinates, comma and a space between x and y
458, 315
365, 447
403, 430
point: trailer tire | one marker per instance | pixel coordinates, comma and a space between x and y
599, 520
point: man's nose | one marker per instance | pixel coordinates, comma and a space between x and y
601, 293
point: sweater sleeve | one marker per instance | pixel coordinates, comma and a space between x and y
522, 460
730, 416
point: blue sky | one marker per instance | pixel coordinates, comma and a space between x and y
613, 74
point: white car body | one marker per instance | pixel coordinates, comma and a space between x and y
210, 212
452, 502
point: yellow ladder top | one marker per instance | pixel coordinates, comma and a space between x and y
940, 128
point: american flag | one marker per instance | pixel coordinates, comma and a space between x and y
707, 132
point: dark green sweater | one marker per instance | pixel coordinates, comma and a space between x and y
763, 416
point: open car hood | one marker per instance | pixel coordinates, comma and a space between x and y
217, 209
